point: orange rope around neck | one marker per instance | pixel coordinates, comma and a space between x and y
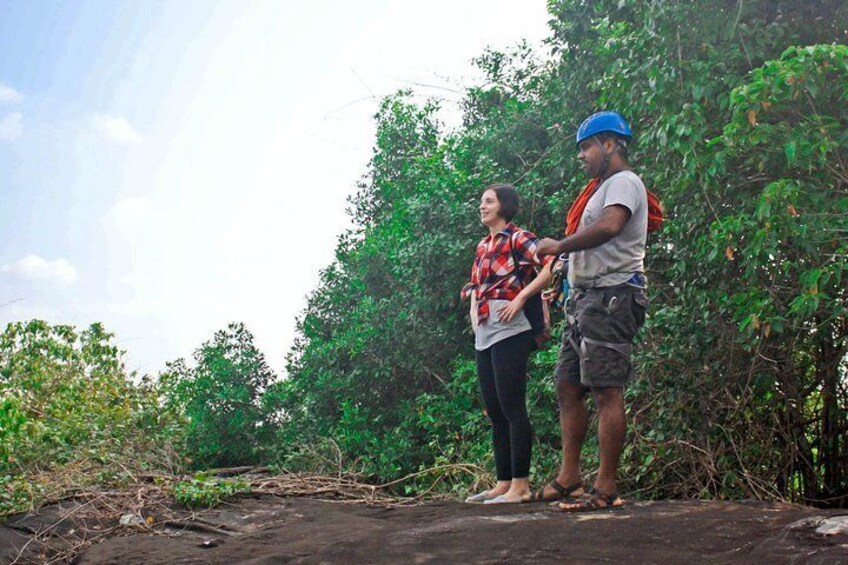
572, 220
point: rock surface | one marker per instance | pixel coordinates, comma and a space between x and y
301, 530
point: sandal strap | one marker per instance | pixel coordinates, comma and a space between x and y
593, 500
565, 491
608, 498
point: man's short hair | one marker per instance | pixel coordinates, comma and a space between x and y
621, 142
508, 199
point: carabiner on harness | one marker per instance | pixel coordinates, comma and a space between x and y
557, 291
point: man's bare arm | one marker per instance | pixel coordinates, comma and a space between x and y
608, 226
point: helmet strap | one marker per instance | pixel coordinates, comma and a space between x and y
607, 157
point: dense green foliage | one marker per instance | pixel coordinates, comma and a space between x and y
70, 414
220, 398
775, 184
741, 134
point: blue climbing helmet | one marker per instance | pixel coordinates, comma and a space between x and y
604, 122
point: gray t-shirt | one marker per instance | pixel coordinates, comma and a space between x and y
617, 260
492, 330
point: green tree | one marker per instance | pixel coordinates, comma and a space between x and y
221, 399
778, 177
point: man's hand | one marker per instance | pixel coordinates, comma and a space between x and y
547, 246
509, 311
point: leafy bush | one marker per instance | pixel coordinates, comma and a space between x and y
70, 413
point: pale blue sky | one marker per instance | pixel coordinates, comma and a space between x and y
168, 167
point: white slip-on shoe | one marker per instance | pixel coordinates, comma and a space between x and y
479, 497
501, 500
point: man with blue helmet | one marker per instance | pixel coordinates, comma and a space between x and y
605, 241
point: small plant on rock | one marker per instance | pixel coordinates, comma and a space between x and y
203, 491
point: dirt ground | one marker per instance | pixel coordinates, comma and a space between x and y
269, 529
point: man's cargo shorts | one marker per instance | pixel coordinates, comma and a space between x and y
598, 339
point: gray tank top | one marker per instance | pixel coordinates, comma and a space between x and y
492, 330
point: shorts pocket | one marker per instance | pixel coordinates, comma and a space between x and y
640, 307
571, 305
604, 363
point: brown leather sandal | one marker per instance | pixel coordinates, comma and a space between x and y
561, 492
594, 500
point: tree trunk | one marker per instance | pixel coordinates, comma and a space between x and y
832, 420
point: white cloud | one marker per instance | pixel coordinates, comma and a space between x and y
12, 127
9, 95
35, 268
115, 129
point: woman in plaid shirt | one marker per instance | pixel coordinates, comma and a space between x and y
504, 263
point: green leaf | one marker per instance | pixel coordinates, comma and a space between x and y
789, 149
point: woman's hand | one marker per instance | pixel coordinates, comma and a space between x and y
509, 311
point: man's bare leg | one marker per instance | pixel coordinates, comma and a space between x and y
612, 424
573, 422
612, 427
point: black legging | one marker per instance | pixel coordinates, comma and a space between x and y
502, 371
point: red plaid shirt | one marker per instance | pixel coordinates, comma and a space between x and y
494, 275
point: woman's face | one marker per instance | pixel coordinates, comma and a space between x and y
490, 208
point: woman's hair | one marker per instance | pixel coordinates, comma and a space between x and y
508, 198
